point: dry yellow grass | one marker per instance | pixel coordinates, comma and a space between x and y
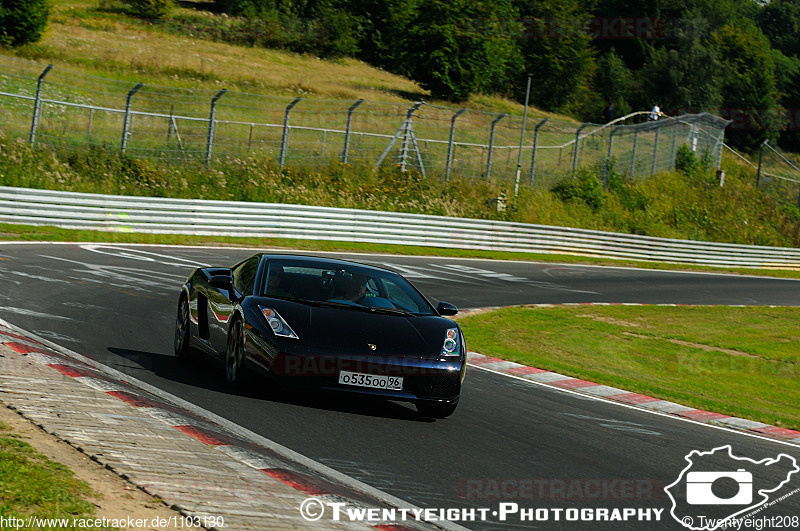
116, 43
105, 43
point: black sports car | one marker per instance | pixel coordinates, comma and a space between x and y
331, 324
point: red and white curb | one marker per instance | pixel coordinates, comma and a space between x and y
605, 392
188, 423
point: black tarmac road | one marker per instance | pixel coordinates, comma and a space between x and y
510, 441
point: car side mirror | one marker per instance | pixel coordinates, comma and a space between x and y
445, 308
221, 282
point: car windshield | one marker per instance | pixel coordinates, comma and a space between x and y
345, 286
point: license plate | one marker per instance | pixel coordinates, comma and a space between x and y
372, 381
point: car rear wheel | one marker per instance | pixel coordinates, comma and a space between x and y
234, 355
182, 329
436, 410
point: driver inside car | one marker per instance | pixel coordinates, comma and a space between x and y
356, 290
274, 281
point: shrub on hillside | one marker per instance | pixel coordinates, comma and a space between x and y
629, 195
686, 161
23, 21
584, 187
150, 8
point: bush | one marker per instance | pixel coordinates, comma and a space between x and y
686, 161
585, 188
23, 21
629, 195
150, 8
334, 34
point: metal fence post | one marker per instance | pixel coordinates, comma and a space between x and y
346, 150
212, 124
655, 152
522, 138
37, 103
127, 118
577, 143
633, 154
89, 127
491, 144
610, 151
535, 143
171, 119
449, 161
674, 144
285, 137
760, 159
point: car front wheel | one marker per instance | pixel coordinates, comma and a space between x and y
182, 329
234, 355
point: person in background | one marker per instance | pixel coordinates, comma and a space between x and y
608, 113
655, 113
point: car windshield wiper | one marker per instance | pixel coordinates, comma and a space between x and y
345, 306
388, 311
332, 304
309, 302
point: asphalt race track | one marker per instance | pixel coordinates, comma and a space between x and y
510, 441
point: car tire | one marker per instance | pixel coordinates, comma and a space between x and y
436, 410
182, 331
234, 354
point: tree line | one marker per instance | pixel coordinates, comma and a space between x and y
736, 58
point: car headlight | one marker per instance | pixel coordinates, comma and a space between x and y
452, 343
277, 323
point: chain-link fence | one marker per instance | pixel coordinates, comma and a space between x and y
779, 174
62, 106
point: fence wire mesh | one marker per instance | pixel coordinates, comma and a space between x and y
779, 174
177, 124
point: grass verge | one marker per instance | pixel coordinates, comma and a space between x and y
736, 361
13, 232
33, 486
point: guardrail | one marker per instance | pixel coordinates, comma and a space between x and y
228, 218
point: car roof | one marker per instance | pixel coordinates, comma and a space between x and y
324, 260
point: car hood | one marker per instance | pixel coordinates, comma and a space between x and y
354, 332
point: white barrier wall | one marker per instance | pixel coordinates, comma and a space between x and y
227, 218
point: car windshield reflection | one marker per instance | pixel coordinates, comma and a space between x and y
353, 288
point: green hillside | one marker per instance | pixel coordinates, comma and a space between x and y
100, 39
96, 46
